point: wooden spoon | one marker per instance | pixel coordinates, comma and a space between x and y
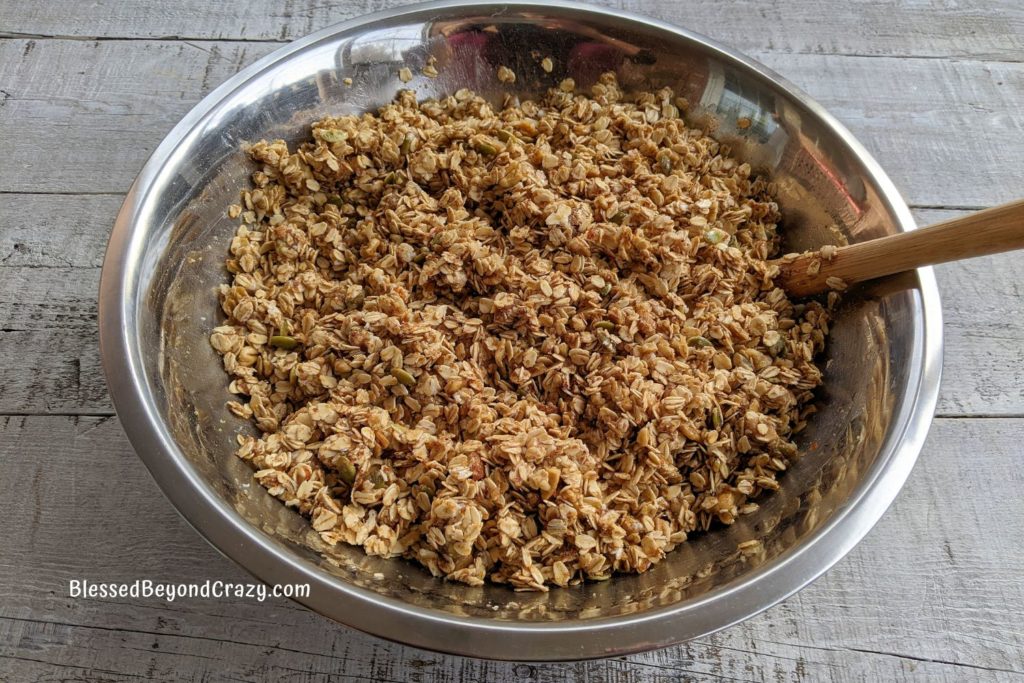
991, 231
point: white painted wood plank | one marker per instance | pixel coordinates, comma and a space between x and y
947, 131
932, 594
48, 285
983, 327
989, 29
51, 250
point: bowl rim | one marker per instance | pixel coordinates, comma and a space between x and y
395, 620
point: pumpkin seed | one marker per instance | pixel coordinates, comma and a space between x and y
346, 470
485, 148
283, 341
403, 376
333, 135
716, 236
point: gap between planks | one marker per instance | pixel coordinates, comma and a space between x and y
14, 35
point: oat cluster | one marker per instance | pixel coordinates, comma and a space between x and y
536, 344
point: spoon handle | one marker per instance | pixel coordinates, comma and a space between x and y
991, 231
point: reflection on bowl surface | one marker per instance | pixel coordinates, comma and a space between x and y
166, 258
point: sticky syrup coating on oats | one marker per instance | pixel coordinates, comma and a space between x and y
534, 344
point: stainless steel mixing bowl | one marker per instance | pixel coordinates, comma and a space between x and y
165, 259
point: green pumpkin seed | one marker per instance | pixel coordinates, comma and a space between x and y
346, 470
485, 148
403, 376
333, 135
716, 236
699, 342
377, 478
283, 341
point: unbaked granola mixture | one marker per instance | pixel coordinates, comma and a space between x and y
536, 344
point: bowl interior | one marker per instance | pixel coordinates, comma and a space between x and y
825, 192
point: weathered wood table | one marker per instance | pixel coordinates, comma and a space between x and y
87, 90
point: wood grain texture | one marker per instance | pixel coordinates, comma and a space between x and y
992, 30
979, 233
51, 250
932, 593
933, 89
946, 130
